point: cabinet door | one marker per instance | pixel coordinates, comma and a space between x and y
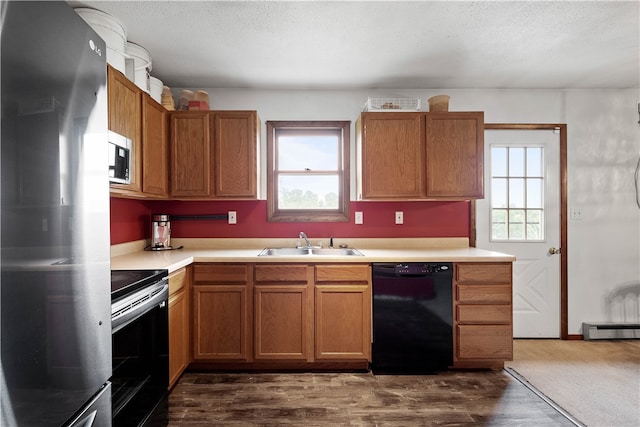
283, 312
343, 322
343, 312
155, 148
283, 322
179, 337
190, 155
235, 146
392, 155
124, 105
221, 322
222, 312
455, 153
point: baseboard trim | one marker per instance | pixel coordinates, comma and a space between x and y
575, 337
610, 331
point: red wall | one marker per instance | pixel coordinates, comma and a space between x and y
130, 220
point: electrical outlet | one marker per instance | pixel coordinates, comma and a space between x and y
399, 217
359, 218
576, 214
232, 217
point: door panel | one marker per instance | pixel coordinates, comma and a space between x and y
536, 272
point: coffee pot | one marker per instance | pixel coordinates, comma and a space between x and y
160, 232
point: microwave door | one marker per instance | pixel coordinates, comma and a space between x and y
122, 164
119, 158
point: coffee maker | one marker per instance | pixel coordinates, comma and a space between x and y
160, 232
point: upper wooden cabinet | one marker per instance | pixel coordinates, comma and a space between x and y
391, 155
235, 152
190, 154
124, 104
214, 154
420, 155
134, 114
155, 148
455, 155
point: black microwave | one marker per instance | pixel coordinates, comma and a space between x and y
119, 158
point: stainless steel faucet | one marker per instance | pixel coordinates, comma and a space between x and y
304, 236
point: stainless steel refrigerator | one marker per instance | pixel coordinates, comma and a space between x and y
55, 268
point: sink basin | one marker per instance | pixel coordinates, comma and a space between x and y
310, 251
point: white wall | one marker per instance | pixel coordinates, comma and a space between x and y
603, 148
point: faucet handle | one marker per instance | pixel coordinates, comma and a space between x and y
331, 242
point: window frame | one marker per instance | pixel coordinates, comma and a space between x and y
344, 174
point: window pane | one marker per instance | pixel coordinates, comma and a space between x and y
534, 193
499, 224
516, 193
516, 224
308, 192
298, 153
498, 161
498, 193
516, 161
535, 227
534, 161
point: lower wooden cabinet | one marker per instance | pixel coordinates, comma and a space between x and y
343, 312
281, 316
283, 313
483, 332
222, 312
179, 321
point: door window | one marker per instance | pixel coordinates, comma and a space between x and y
517, 193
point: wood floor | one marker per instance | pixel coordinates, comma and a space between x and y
475, 398
460, 398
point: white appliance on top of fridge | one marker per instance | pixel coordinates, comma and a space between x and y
55, 263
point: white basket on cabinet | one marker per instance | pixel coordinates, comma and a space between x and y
393, 105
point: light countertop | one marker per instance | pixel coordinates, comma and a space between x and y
133, 256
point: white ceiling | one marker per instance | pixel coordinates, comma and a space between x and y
386, 44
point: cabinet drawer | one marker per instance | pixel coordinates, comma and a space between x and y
483, 273
485, 342
484, 314
483, 294
281, 273
221, 273
177, 280
343, 273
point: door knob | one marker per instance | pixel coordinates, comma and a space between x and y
554, 251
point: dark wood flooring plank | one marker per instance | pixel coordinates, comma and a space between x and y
490, 398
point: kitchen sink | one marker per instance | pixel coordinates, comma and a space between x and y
310, 251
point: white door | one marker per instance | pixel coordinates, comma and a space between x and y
520, 215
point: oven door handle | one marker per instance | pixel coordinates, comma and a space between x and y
128, 309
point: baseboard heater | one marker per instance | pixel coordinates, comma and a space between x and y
610, 331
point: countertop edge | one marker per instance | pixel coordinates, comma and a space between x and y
176, 259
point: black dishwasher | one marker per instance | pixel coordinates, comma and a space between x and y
412, 318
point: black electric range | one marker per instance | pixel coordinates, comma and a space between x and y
140, 347
124, 282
